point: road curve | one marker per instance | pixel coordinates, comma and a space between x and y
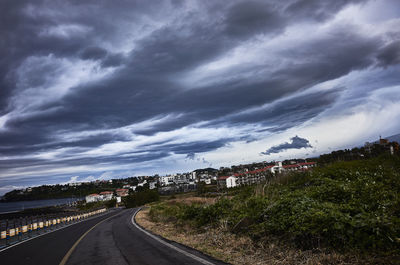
109, 239
118, 241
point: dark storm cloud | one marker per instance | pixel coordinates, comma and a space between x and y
247, 18
197, 147
390, 54
191, 156
317, 9
148, 48
288, 113
296, 143
94, 53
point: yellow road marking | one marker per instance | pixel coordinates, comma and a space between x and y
66, 257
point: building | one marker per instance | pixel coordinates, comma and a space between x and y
93, 198
122, 192
307, 165
106, 195
247, 177
222, 181
141, 184
231, 182
152, 185
228, 181
166, 180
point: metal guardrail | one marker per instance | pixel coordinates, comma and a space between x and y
16, 230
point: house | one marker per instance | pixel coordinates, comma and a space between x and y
278, 168
142, 183
122, 192
166, 180
294, 167
222, 181
307, 165
152, 185
93, 198
227, 181
106, 195
231, 182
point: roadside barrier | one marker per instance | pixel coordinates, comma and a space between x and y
15, 230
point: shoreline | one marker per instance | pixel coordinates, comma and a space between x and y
32, 210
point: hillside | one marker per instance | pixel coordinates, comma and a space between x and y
348, 209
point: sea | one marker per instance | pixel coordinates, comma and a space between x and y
9, 207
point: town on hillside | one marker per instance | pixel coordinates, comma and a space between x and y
222, 178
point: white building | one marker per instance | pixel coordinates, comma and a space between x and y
93, 198
166, 180
278, 168
142, 183
231, 182
152, 185
106, 195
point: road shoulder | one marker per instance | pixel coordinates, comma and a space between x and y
169, 235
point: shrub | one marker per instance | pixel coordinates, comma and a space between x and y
140, 198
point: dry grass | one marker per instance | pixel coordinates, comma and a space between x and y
221, 244
191, 200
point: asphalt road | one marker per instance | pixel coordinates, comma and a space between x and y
109, 239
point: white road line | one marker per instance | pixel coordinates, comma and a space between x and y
29, 239
203, 261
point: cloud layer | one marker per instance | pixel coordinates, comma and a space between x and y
138, 88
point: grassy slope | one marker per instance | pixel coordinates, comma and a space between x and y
350, 207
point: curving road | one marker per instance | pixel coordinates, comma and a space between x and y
109, 239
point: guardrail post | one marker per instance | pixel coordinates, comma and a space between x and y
7, 233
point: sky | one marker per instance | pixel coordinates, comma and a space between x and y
101, 89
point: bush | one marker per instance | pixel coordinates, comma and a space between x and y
140, 198
111, 203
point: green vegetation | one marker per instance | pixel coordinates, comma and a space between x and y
358, 153
69, 190
140, 198
352, 206
94, 205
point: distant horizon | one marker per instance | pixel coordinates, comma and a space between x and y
92, 90
397, 136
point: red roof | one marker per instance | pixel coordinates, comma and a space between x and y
94, 194
106, 192
291, 166
307, 163
248, 172
122, 190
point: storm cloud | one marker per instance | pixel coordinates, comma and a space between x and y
296, 143
88, 87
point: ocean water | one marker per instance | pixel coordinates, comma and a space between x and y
6, 207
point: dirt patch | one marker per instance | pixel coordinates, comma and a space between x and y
241, 249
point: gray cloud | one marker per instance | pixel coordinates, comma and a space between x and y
93, 53
390, 54
296, 143
317, 9
244, 19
